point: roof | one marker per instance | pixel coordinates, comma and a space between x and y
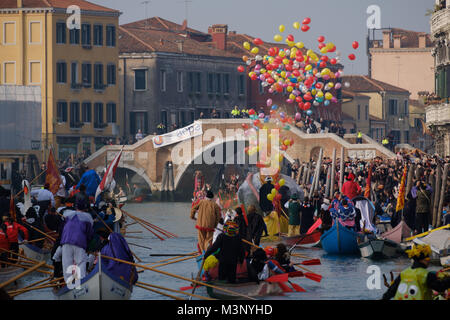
410, 39
84, 5
346, 93
157, 23
134, 40
359, 83
373, 118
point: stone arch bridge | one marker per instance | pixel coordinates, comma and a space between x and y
148, 162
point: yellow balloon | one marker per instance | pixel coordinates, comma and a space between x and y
286, 142
263, 71
271, 60
314, 56
296, 25
291, 96
307, 68
290, 43
255, 50
290, 89
325, 72
282, 53
273, 191
280, 158
285, 61
309, 52
270, 197
330, 45
324, 50
281, 28
247, 45
328, 96
283, 74
330, 84
300, 45
319, 94
278, 38
313, 91
281, 182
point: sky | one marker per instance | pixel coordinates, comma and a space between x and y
339, 21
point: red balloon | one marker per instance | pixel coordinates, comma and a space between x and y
298, 99
245, 126
256, 122
355, 45
254, 76
306, 20
277, 186
241, 69
278, 197
307, 105
332, 50
305, 28
323, 64
290, 37
257, 41
321, 45
351, 56
321, 39
333, 61
324, 58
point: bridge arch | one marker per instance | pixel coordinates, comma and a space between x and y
139, 171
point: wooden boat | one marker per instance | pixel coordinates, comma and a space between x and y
33, 252
340, 240
398, 234
99, 284
251, 289
307, 240
379, 249
439, 242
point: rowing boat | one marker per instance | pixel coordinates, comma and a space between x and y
306, 240
35, 253
99, 284
340, 240
379, 249
251, 289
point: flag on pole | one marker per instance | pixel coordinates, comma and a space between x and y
108, 178
369, 178
401, 192
52, 177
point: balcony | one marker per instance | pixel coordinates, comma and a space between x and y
100, 126
438, 114
440, 21
99, 87
76, 125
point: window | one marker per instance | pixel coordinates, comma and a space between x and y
210, 85
218, 83
226, 83
74, 73
405, 107
98, 76
164, 120
86, 74
180, 81
74, 36
162, 80
111, 36
418, 123
367, 113
60, 32
406, 136
111, 74
393, 107
191, 81
61, 111
86, 34
98, 114
138, 120
35, 72
241, 84
86, 115
74, 114
98, 35
61, 72
111, 113
9, 33
140, 79
359, 112
198, 82
35, 32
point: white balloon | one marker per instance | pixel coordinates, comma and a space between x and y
347, 84
258, 58
249, 62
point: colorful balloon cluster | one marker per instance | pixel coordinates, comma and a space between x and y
274, 195
300, 74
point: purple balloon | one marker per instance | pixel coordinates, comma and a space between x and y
338, 86
261, 115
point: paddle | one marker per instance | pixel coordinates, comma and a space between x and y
312, 262
284, 277
300, 239
4, 284
311, 275
173, 290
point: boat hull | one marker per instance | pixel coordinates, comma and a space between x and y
309, 240
378, 249
340, 240
251, 289
97, 286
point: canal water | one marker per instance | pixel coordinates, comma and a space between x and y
344, 277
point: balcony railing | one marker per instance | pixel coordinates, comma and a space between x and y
76, 125
440, 21
438, 114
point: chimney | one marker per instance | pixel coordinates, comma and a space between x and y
386, 39
422, 40
184, 25
219, 35
397, 41
19, 3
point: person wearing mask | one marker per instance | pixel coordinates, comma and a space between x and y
416, 282
231, 251
346, 214
208, 216
33, 224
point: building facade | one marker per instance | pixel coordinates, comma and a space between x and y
402, 58
168, 77
75, 68
438, 110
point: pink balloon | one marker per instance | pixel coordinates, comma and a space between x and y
338, 85
298, 116
269, 102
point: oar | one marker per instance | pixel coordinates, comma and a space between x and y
159, 292
138, 245
174, 258
31, 241
26, 258
176, 291
41, 232
311, 275
427, 232
312, 262
164, 232
144, 226
300, 239
298, 255
24, 267
174, 261
284, 277
172, 254
35, 288
35, 178
4, 284
179, 277
199, 274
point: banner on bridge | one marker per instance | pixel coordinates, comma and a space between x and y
179, 135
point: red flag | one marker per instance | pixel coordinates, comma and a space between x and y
401, 192
369, 177
52, 177
109, 175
